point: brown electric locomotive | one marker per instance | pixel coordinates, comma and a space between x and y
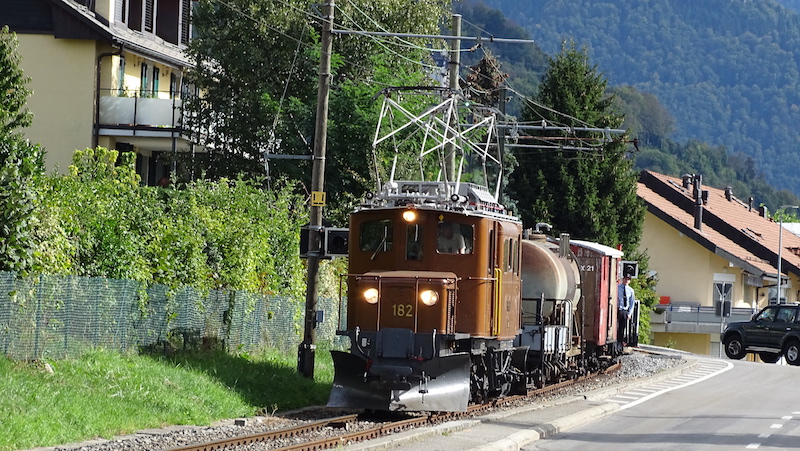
448, 302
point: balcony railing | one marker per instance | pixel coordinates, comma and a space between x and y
134, 111
695, 314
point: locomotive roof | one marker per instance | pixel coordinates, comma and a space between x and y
465, 198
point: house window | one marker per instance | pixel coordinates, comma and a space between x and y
121, 77
143, 85
135, 15
156, 76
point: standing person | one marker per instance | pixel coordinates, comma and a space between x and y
625, 303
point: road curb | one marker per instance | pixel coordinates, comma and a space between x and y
519, 439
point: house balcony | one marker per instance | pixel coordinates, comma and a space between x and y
148, 121
680, 317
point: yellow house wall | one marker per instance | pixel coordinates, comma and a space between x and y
62, 80
696, 343
685, 268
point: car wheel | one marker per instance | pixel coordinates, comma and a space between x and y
792, 352
769, 357
734, 348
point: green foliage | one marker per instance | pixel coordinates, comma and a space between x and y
98, 221
727, 71
645, 117
20, 163
589, 194
257, 71
13, 92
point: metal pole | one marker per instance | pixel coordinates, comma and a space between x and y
780, 248
780, 245
455, 63
305, 352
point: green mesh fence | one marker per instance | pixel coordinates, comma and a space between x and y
63, 316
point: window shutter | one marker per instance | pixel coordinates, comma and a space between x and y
119, 11
149, 15
186, 10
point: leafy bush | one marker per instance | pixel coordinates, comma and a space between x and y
99, 221
20, 162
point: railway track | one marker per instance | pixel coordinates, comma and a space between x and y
348, 429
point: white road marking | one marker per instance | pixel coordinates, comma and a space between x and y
728, 366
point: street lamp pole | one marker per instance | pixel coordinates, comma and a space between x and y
780, 248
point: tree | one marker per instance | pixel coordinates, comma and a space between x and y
645, 117
256, 71
20, 162
581, 183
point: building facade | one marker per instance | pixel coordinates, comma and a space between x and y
716, 259
108, 73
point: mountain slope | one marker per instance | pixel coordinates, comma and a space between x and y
726, 69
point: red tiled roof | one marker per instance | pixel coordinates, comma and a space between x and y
730, 228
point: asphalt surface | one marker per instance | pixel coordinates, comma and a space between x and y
513, 429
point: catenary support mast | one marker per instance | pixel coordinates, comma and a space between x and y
305, 353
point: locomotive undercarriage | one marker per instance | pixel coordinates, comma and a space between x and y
396, 370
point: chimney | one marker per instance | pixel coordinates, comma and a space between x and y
687, 179
750, 203
762, 211
729, 193
698, 202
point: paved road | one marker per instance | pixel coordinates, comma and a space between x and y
752, 406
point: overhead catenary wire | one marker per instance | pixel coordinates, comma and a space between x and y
399, 40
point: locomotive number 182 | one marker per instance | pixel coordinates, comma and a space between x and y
403, 310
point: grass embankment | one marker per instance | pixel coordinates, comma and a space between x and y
103, 394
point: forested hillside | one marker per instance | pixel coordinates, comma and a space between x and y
725, 69
791, 4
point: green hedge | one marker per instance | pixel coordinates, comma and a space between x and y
99, 221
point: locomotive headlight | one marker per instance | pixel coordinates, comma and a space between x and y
409, 216
429, 297
371, 295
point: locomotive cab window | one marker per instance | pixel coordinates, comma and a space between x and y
454, 238
376, 236
414, 242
